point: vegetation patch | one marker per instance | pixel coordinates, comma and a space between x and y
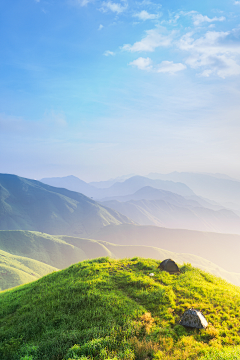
109, 309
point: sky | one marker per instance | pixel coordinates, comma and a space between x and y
98, 89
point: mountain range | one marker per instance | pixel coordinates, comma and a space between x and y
219, 187
31, 205
179, 215
122, 188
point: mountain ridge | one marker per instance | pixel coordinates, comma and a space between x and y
174, 212
27, 204
209, 186
122, 188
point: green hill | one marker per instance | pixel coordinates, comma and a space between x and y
17, 270
46, 248
31, 205
109, 309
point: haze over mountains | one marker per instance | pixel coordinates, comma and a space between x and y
219, 187
221, 249
118, 188
160, 202
165, 214
117, 225
29, 255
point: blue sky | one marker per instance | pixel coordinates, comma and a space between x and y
98, 89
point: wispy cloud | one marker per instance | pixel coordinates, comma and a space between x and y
100, 27
109, 53
144, 15
150, 42
199, 18
236, 2
142, 63
114, 7
164, 67
214, 52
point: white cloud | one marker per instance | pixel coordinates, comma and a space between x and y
164, 67
100, 27
108, 52
237, 3
213, 52
142, 63
114, 7
150, 42
144, 15
170, 67
199, 18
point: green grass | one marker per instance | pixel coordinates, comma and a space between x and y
112, 309
228, 353
17, 270
46, 248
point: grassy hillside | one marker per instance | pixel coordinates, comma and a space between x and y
108, 309
28, 255
17, 270
46, 248
31, 205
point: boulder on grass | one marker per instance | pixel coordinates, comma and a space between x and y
194, 318
170, 266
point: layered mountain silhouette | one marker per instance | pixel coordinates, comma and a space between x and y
108, 183
149, 206
72, 183
31, 205
150, 193
122, 188
219, 187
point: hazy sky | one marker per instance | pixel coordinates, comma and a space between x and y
99, 89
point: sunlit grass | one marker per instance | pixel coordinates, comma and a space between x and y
108, 309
